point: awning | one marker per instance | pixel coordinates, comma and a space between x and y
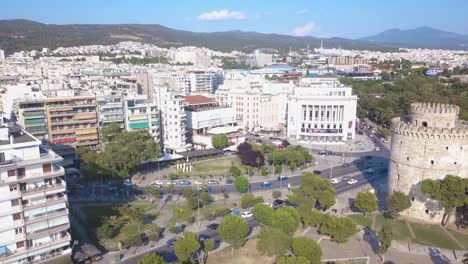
3, 251
165, 157
224, 130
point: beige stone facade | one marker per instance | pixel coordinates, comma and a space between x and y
429, 144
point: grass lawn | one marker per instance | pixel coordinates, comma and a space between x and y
248, 254
462, 238
353, 261
180, 213
96, 214
432, 235
217, 167
361, 220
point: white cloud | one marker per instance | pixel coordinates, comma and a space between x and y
222, 15
303, 11
305, 29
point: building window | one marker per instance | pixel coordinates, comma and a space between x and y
2, 157
412, 199
432, 162
18, 230
398, 177
446, 148
20, 244
455, 163
407, 158
21, 172
424, 124
11, 173
17, 216
14, 202
46, 168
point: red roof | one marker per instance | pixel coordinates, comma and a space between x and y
198, 99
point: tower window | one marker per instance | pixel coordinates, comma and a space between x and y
446, 148
407, 158
455, 163
424, 124
432, 162
398, 177
412, 199
427, 211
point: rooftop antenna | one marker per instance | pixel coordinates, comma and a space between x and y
321, 44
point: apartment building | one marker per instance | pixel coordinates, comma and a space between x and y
141, 114
173, 120
34, 224
2, 55
322, 110
31, 114
110, 110
72, 119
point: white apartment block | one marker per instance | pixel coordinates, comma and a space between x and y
2, 55
173, 121
322, 110
201, 82
34, 225
141, 114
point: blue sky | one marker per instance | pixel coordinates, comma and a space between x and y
325, 18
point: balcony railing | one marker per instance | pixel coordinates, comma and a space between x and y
38, 246
44, 202
43, 189
48, 231
42, 217
33, 176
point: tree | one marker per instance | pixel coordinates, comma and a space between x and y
292, 260
313, 190
339, 228
312, 218
366, 202
192, 198
152, 191
186, 246
396, 203
278, 168
385, 238
219, 141
152, 258
276, 194
273, 242
206, 198
207, 245
135, 215
263, 214
258, 160
308, 248
286, 219
233, 230
241, 184
235, 171
264, 171
110, 131
249, 200
293, 166
450, 192
226, 196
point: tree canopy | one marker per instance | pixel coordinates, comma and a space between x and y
249, 200
241, 184
396, 203
186, 246
339, 228
273, 242
308, 248
292, 260
366, 202
219, 141
152, 258
233, 230
314, 189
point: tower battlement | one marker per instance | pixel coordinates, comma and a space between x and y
434, 108
408, 129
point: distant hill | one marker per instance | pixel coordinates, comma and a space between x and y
422, 37
20, 34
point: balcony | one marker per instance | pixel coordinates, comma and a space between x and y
71, 122
42, 217
45, 202
39, 246
48, 231
33, 176
46, 189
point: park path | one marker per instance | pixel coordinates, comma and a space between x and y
410, 230
374, 220
453, 238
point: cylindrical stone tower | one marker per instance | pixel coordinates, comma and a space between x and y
429, 144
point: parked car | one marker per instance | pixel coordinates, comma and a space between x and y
352, 181
204, 189
157, 183
203, 237
246, 214
317, 172
335, 180
213, 182
377, 149
170, 242
229, 181
266, 184
370, 170
278, 203
171, 183
184, 182
212, 227
128, 183
283, 178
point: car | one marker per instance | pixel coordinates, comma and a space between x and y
184, 182
113, 189
160, 183
212, 227
203, 237
198, 182
204, 189
335, 180
322, 153
377, 149
268, 204
229, 181
317, 172
170, 242
266, 184
171, 183
283, 178
246, 214
278, 203
213, 182
345, 178
370, 170
352, 181
128, 182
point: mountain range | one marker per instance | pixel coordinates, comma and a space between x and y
19, 34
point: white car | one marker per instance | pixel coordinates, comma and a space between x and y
246, 214
335, 181
198, 182
157, 183
128, 182
352, 181
370, 170
377, 149
171, 183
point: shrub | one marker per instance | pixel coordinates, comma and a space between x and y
174, 229
276, 194
191, 219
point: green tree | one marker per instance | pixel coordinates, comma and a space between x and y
263, 214
110, 131
249, 200
292, 260
273, 242
219, 141
396, 203
235, 171
152, 191
286, 219
278, 168
339, 228
226, 196
206, 198
134, 215
312, 218
264, 171
308, 248
152, 258
258, 160
233, 230
241, 184
276, 194
314, 189
293, 166
385, 238
192, 198
206, 246
450, 192
366, 202
186, 246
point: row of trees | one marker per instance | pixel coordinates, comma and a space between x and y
123, 150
